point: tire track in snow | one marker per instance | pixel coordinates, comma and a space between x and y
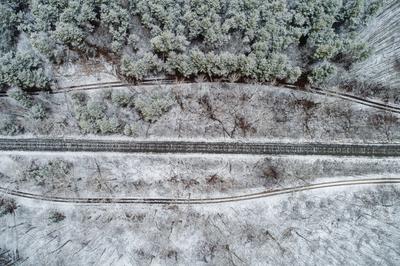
199, 201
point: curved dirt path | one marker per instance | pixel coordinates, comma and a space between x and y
197, 201
165, 81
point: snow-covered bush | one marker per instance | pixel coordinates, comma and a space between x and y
38, 112
354, 51
109, 125
21, 97
138, 69
88, 114
326, 51
79, 98
88, 126
122, 99
129, 130
167, 42
9, 20
322, 73
96, 109
56, 216
133, 41
356, 13
52, 172
66, 22
116, 18
70, 35
43, 43
152, 107
7, 206
23, 69
9, 126
180, 65
203, 20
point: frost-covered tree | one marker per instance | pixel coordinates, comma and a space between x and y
7, 206
9, 125
168, 42
152, 107
109, 125
116, 18
21, 97
180, 65
70, 35
321, 73
38, 112
24, 70
138, 69
213, 38
10, 15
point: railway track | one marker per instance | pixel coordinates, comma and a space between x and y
182, 147
166, 81
198, 201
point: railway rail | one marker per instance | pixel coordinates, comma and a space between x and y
198, 201
94, 145
165, 81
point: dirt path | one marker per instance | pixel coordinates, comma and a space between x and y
173, 201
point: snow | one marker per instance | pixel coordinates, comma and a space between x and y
272, 114
354, 226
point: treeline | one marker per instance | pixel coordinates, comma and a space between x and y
262, 40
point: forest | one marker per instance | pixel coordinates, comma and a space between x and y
303, 41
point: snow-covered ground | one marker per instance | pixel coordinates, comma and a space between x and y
171, 176
220, 112
335, 226
351, 226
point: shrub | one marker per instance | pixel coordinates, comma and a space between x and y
180, 65
133, 41
51, 172
79, 98
167, 42
199, 61
117, 20
23, 69
326, 51
152, 107
321, 73
122, 99
356, 13
129, 130
21, 97
7, 206
38, 112
88, 126
45, 14
354, 51
70, 34
138, 69
43, 43
107, 126
9, 126
88, 115
47, 46
96, 110
274, 67
56, 216
246, 65
226, 64
293, 74
8, 26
